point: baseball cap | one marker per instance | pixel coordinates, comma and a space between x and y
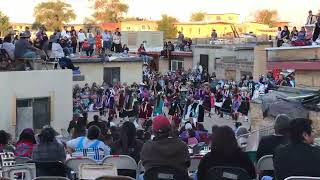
161, 124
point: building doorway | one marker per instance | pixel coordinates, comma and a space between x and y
111, 75
32, 113
204, 61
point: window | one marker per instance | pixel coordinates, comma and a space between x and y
149, 27
199, 30
33, 113
128, 28
111, 75
177, 65
218, 18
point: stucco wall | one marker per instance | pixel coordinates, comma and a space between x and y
56, 84
260, 61
130, 72
307, 78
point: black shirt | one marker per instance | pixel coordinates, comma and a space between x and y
268, 145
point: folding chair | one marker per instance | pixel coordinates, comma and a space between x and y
45, 168
92, 171
51, 178
265, 164
227, 173
194, 163
165, 173
22, 160
125, 165
74, 164
20, 171
114, 178
302, 178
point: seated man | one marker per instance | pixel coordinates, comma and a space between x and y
57, 52
299, 157
164, 149
23, 49
81, 146
268, 144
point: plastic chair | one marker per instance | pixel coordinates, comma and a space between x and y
265, 164
124, 164
50, 168
92, 171
74, 164
114, 178
194, 163
22, 160
24, 171
165, 173
51, 178
227, 173
302, 178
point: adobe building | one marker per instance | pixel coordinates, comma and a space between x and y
33, 99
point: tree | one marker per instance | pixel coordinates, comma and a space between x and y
4, 23
197, 16
109, 10
53, 14
266, 16
35, 25
166, 24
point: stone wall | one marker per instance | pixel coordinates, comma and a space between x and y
307, 78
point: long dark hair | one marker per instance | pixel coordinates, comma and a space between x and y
47, 135
224, 142
27, 135
127, 136
4, 137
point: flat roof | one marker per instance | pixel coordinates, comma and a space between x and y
292, 48
111, 59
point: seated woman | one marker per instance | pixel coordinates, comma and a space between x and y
57, 52
128, 144
192, 140
301, 38
48, 149
26, 143
81, 145
225, 152
4, 142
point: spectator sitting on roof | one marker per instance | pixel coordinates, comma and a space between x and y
8, 46
57, 53
143, 54
66, 46
23, 49
4, 142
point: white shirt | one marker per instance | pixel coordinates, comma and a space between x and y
116, 39
9, 47
65, 34
87, 143
81, 36
57, 51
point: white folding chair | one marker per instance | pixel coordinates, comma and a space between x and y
74, 164
302, 178
194, 163
121, 162
23, 171
51, 178
93, 171
265, 164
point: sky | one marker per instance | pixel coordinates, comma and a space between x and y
22, 10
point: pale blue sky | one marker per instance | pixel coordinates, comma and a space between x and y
289, 10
